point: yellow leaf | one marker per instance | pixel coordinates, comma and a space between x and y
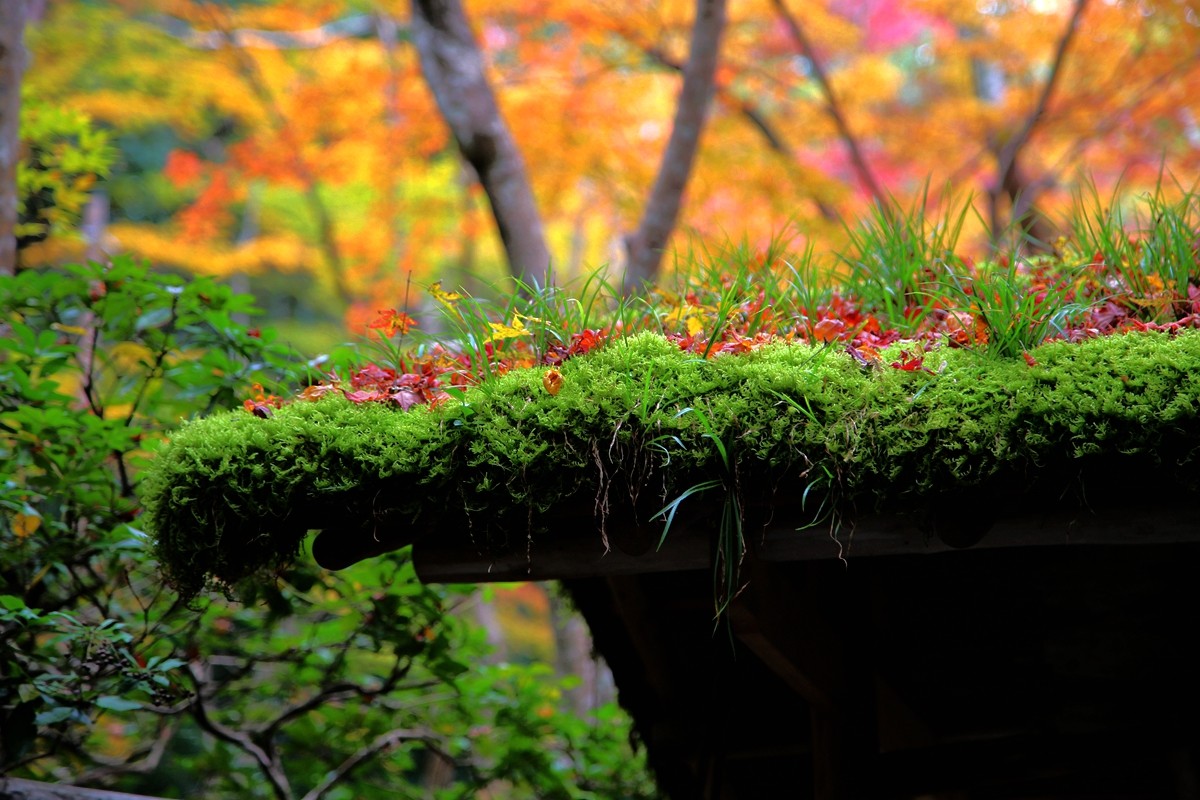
528, 318
24, 525
447, 299
74, 330
510, 331
694, 326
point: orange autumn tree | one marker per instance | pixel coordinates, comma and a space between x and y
304, 137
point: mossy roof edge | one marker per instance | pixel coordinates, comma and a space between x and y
233, 493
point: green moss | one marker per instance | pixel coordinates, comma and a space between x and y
233, 493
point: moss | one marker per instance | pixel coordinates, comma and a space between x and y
233, 493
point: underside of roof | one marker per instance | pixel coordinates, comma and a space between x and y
1065, 672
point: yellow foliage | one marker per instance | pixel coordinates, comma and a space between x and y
590, 101
512, 330
448, 299
869, 79
283, 252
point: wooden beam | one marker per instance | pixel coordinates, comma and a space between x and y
788, 633
19, 789
573, 548
553, 556
878, 535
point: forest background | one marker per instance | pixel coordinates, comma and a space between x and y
307, 154
296, 149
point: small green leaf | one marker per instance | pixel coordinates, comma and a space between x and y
11, 602
54, 715
113, 703
154, 318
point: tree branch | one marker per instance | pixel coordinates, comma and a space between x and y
645, 246
834, 108
368, 751
1011, 181
355, 26
750, 112
266, 763
1012, 148
142, 761
453, 67
1104, 126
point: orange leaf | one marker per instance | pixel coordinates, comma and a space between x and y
828, 329
552, 381
390, 322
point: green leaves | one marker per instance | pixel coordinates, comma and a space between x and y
88, 383
65, 157
103, 363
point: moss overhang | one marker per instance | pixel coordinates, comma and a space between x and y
233, 494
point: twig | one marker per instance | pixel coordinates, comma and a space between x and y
1105, 125
139, 762
329, 694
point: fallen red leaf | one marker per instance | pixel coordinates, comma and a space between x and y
828, 329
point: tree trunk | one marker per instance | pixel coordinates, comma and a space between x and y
645, 247
574, 654
453, 67
12, 66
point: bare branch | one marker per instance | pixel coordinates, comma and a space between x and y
834, 108
645, 246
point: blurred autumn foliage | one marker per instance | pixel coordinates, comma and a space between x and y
261, 139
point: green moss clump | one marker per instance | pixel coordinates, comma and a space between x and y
234, 494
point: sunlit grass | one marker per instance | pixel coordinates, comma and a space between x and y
1126, 264
1145, 247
